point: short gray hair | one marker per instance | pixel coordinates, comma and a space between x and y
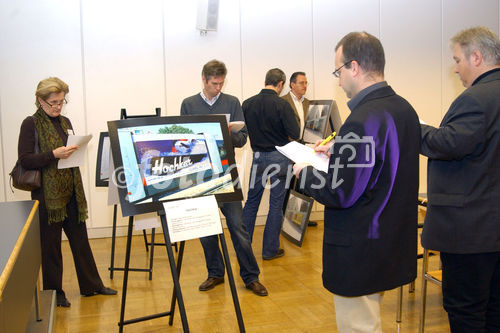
482, 39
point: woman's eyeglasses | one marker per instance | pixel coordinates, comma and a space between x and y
56, 103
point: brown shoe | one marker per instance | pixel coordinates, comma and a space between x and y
278, 254
210, 283
257, 288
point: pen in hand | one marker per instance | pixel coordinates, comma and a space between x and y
320, 146
328, 139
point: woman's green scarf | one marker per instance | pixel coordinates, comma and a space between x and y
58, 184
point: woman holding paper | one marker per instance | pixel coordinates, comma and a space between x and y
61, 196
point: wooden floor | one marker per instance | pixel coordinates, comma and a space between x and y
297, 301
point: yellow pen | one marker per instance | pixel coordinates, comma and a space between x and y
328, 139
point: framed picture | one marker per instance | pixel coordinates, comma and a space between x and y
157, 159
104, 151
322, 119
102, 164
296, 217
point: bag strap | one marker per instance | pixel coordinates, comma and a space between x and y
10, 179
37, 147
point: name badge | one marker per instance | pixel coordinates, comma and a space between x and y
70, 132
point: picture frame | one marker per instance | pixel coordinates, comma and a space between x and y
102, 161
322, 119
159, 159
296, 217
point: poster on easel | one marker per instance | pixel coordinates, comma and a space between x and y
170, 158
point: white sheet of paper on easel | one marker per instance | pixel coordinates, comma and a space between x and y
146, 221
192, 218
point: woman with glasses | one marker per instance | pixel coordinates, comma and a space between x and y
61, 196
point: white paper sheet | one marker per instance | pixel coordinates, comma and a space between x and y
76, 159
146, 221
300, 153
192, 218
236, 126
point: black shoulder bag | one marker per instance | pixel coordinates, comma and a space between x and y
26, 180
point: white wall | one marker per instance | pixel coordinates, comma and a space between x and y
145, 54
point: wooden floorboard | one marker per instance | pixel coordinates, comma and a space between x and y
297, 301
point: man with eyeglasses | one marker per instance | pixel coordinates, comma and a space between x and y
370, 190
296, 97
300, 105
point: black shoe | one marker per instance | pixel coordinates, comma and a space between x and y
210, 283
312, 223
278, 254
102, 291
257, 288
62, 301
106, 291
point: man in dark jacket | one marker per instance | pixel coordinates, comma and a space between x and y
370, 191
271, 122
463, 212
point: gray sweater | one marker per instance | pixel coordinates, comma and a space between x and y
225, 104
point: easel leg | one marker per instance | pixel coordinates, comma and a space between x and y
125, 271
179, 264
230, 276
151, 254
113, 237
175, 276
145, 239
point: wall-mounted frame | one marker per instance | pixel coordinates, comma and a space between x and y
102, 161
296, 217
158, 159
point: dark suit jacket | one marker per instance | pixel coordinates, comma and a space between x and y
305, 106
370, 240
463, 213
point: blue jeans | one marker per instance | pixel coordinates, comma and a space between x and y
276, 167
249, 269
